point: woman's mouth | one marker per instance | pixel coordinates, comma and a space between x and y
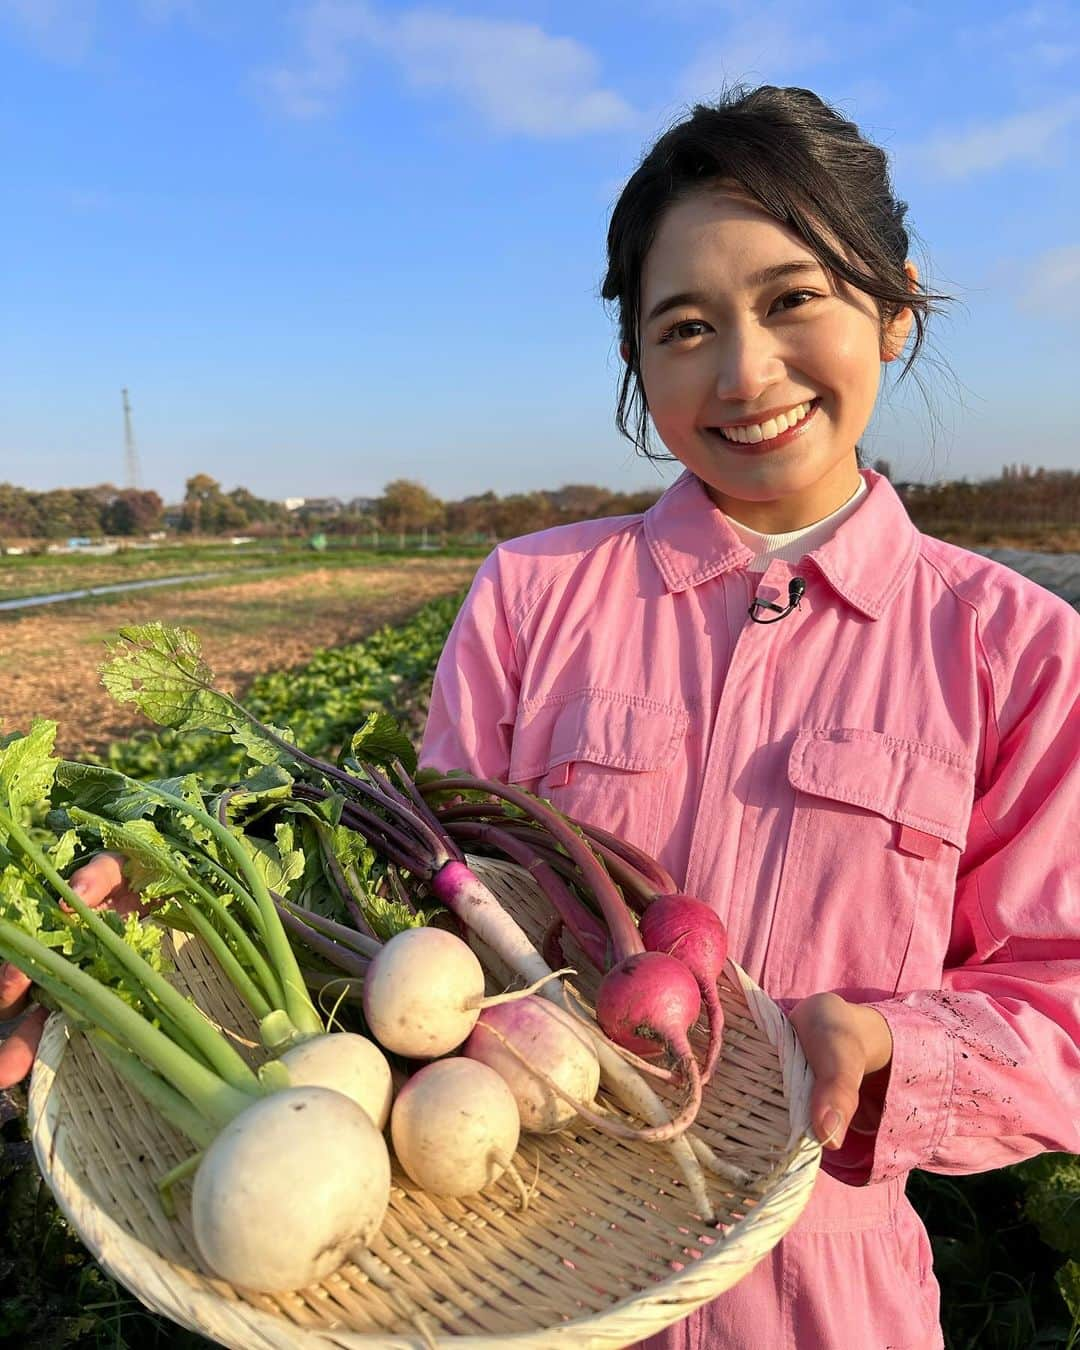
779, 428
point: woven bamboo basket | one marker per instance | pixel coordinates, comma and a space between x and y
607, 1251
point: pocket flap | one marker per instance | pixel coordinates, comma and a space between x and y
924, 786
598, 726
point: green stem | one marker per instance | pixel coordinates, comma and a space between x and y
117, 834
227, 879
296, 1001
241, 940
219, 1053
212, 1097
172, 1178
166, 1101
234, 972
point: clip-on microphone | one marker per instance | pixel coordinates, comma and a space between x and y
796, 587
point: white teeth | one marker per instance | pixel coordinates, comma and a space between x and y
765, 431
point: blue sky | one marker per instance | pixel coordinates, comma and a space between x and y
329, 243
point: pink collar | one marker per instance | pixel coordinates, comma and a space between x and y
866, 561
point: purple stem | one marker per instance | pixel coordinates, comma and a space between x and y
644, 863
342, 885
551, 947
404, 810
423, 809
337, 932
325, 947
398, 891
631, 867
588, 931
625, 938
382, 837
381, 834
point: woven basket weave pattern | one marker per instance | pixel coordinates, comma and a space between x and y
606, 1253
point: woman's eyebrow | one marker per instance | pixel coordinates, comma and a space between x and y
786, 269
676, 301
798, 266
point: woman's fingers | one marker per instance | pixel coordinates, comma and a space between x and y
18, 1051
14, 990
98, 882
101, 882
842, 1043
101, 879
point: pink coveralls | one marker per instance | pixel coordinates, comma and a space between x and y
879, 795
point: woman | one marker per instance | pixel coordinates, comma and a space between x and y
875, 789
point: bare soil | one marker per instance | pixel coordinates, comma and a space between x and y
49, 661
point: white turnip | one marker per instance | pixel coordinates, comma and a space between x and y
286, 1189
530, 1044
345, 1063
455, 1127
423, 993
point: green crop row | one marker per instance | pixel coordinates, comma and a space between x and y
321, 703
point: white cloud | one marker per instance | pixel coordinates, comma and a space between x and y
1051, 283
1030, 136
514, 75
61, 30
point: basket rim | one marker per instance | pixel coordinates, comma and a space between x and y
167, 1288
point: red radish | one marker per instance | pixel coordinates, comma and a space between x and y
685, 927
647, 1004
551, 1046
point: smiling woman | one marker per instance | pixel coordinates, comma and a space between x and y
875, 790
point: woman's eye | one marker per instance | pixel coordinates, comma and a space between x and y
794, 299
684, 331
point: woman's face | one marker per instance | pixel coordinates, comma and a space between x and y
759, 368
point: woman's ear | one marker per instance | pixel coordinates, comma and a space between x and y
894, 334
624, 352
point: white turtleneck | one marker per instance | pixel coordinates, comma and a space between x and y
795, 545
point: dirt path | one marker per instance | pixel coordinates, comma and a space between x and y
49, 660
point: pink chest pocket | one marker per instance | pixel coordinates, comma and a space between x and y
869, 873
601, 755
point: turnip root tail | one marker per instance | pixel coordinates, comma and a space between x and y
610, 1124
513, 995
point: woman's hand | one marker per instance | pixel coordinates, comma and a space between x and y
99, 882
845, 1044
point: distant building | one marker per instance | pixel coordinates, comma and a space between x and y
321, 506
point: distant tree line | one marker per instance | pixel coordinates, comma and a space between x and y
1021, 498
64, 512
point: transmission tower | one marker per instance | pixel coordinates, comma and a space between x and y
131, 457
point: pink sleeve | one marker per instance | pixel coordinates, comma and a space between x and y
986, 1070
474, 697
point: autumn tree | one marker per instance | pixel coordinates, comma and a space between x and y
132, 512
407, 506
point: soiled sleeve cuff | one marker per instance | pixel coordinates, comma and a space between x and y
899, 1129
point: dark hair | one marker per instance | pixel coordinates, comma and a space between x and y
804, 164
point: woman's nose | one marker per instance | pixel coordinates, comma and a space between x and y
748, 363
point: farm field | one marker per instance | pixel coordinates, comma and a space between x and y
49, 657
46, 574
